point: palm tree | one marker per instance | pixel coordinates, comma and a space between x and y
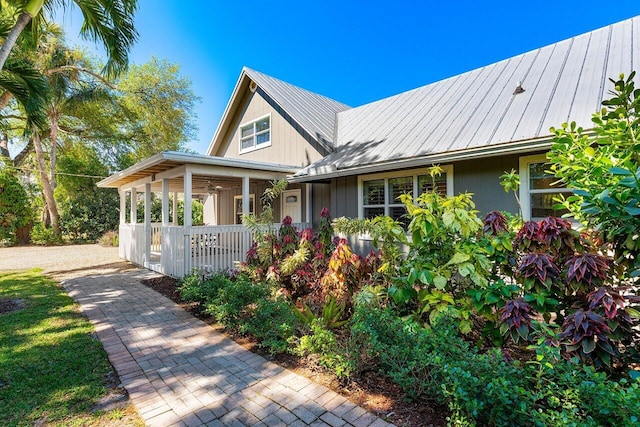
108, 21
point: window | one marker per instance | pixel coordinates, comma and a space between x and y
237, 207
379, 194
256, 134
537, 189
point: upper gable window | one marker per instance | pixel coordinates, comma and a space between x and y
256, 134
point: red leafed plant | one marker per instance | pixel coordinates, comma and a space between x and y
495, 223
608, 299
552, 228
538, 269
585, 335
527, 235
586, 271
515, 320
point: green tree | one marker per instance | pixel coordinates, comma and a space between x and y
158, 109
108, 21
602, 165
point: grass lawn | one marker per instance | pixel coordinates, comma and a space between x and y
51, 367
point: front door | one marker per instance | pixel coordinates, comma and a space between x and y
292, 204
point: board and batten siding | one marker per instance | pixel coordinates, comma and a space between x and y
482, 178
288, 146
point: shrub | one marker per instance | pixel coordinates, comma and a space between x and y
274, 323
15, 211
482, 388
224, 298
232, 299
324, 342
41, 235
198, 288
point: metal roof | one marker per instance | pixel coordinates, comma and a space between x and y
482, 109
315, 113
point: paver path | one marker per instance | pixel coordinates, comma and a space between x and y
179, 371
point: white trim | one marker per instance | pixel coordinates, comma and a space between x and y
252, 199
414, 173
525, 192
255, 145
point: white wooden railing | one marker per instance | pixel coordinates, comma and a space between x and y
186, 249
133, 243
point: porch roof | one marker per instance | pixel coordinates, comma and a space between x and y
168, 164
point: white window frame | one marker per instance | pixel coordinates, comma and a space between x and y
525, 191
447, 169
252, 202
255, 146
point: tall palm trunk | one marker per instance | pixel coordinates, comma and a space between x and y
31, 9
53, 137
52, 207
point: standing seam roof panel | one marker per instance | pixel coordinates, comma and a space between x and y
535, 110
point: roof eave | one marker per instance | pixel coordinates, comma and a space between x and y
526, 146
198, 159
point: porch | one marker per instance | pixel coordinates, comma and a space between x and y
228, 188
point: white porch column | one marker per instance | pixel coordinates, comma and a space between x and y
174, 216
165, 202
188, 221
147, 224
245, 195
133, 219
123, 206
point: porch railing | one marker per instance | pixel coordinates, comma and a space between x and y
132, 247
185, 249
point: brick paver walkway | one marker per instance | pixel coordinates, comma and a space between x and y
179, 371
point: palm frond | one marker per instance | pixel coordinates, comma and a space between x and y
28, 86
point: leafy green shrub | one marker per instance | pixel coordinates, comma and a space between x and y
484, 389
324, 342
231, 301
226, 299
274, 323
200, 289
602, 165
110, 238
15, 210
41, 235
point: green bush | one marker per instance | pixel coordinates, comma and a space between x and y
224, 298
15, 211
197, 288
230, 303
274, 323
325, 343
484, 389
41, 235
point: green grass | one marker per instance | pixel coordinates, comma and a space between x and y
50, 365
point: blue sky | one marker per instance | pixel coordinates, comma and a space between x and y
353, 51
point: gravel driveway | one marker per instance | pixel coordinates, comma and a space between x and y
62, 262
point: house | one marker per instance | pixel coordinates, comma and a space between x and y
356, 161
